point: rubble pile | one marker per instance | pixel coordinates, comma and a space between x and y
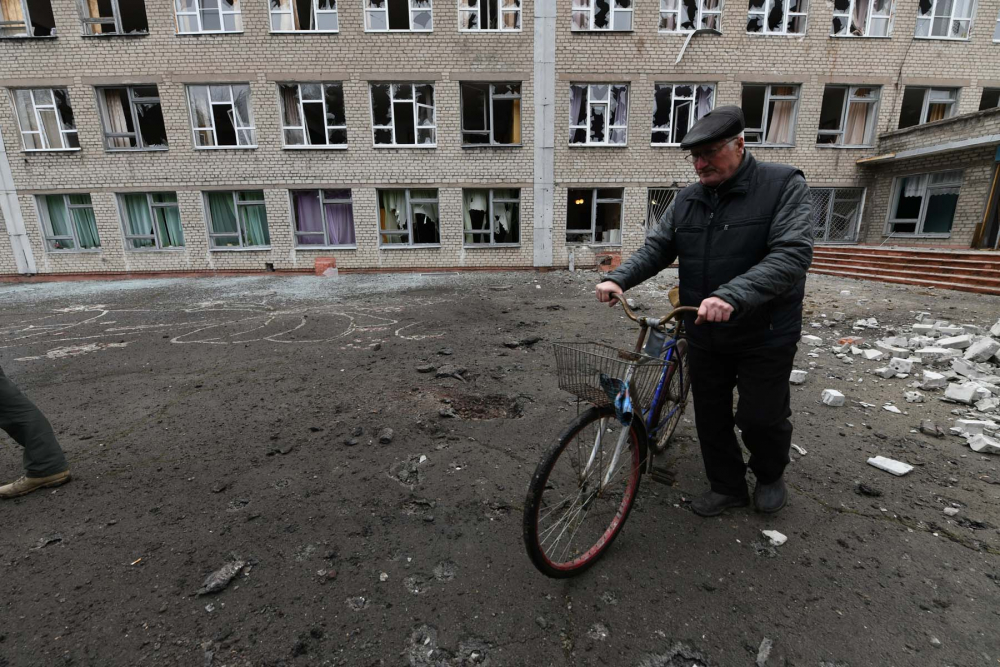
953, 362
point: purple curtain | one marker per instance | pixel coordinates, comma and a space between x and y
340, 224
308, 218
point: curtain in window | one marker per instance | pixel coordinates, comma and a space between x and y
859, 17
394, 205
223, 215
914, 185
703, 100
58, 216
255, 224
86, 223
171, 233
780, 121
137, 216
115, 103
308, 218
474, 200
576, 95
290, 102
857, 122
936, 112
340, 224
11, 12
515, 137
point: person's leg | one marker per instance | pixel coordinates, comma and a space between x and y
25, 423
713, 378
762, 415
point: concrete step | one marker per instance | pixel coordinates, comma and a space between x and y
950, 283
864, 263
948, 256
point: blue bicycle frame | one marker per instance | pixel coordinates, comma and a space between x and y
653, 430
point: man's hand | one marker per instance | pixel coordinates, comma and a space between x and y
606, 289
712, 309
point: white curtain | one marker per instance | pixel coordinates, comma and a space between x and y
859, 17
576, 97
394, 204
116, 100
780, 122
857, 122
914, 185
475, 200
703, 100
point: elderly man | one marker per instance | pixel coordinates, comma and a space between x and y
44, 462
743, 237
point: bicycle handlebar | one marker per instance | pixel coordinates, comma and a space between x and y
652, 321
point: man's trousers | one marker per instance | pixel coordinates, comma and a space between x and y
24, 422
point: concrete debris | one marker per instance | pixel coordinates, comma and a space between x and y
947, 330
927, 329
970, 369
974, 329
961, 393
927, 427
813, 341
897, 468
799, 449
913, 397
873, 355
974, 426
798, 377
777, 539
889, 407
219, 579
870, 323
855, 350
951, 511
839, 317
984, 443
982, 349
897, 341
764, 652
932, 380
832, 397
995, 330
901, 365
885, 372
960, 342
991, 404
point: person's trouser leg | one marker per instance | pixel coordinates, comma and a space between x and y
713, 378
764, 408
24, 422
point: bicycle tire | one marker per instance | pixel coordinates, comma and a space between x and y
540, 537
678, 385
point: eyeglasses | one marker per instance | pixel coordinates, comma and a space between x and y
709, 154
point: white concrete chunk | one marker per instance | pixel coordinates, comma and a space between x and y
925, 329
995, 330
892, 408
918, 342
814, 341
932, 380
960, 342
961, 393
885, 372
897, 468
897, 341
777, 539
872, 355
855, 350
913, 397
832, 397
982, 349
973, 426
839, 317
798, 377
972, 329
984, 443
991, 404
970, 369
901, 365
950, 511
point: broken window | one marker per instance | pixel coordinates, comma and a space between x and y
68, 222
323, 218
200, 16
924, 203
133, 118
777, 17
221, 115
415, 15
925, 105
770, 111
676, 107
491, 217
151, 220
27, 18
690, 15
601, 15
304, 15
408, 217
836, 214
46, 119
237, 220
990, 99
848, 116
996, 30
489, 15
862, 18
598, 114
594, 216
113, 17
312, 114
944, 19
403, 114
491, 113
657, 201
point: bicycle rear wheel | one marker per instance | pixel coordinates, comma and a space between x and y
677, 386
579, 498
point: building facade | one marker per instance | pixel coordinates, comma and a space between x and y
253, 135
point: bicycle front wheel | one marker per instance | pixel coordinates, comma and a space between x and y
581, 494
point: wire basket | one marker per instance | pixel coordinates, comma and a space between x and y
580, 366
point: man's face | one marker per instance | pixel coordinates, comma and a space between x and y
717, 162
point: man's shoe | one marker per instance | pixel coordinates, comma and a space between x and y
26, 485
711, 503
769, 498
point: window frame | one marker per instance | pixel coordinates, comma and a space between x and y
323, 201
871, 124
26, 21
996, 30
490, 200
284, 128
251, 128
594, 201
199, 11
828, 214
240, 229
54, 107
786, 15
102, 103
897, 182
315, 11
591, 9
411, 10
768, 97
489, 103
869, 15
151, 205
673, 97
409, 219
926, 104
501, 10
931, 17
46, 224
115, 20
699, 18
609, 127
392, 109
651, 192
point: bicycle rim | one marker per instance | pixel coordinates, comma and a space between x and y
571, 517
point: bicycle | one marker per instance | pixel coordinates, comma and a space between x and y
572, 485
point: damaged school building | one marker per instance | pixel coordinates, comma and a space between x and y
141, 137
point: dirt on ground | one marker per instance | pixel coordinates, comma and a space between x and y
245, 423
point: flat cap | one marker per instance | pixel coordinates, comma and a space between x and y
720, 123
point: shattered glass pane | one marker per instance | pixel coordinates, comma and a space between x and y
425, 116
311, 91
602, 9
960, 29
619, 105
469, 20
668, 22
662, 96
839, 26
422, 21
710, 21
581, 20
337, 137
689, 14
598, 122
383, 136
381, 108
335, 105
402, 91
599, 93
425, 136
425, 94
618, 136
774, 16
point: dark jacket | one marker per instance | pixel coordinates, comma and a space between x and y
748, 242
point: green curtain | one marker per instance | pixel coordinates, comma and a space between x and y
171, 233
58, 217
139, 221
255, 225
222, 216
86, 223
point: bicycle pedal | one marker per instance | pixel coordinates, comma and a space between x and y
662, 475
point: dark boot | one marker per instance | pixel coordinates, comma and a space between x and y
711, 503
771, 497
